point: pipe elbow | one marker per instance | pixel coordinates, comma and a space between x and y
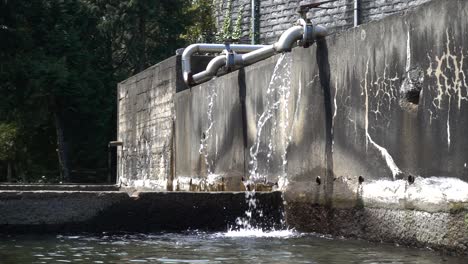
215, 64
189, 51
288, 38
211, 70
320, 32
186, 67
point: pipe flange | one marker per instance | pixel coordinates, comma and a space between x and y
308, 35
230, 62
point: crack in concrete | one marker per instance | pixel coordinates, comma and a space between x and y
451, 83
384, 152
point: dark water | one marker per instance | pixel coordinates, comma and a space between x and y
196, 247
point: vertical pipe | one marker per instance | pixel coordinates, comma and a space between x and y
356, 13
254, 21
109, 164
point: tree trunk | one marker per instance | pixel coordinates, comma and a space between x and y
20, 173
141, 60
9, 172
62, 148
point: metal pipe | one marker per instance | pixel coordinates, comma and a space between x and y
288, 38
211, 70
305, 32
209, 48
356, 13
254, 18
257, 55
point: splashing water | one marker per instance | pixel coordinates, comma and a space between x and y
258, 232
246, 227
207, 134
276, 115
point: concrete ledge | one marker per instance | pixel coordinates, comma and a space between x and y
54, 211
441, 231
58, 187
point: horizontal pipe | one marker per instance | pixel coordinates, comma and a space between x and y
209, 48
253, 53
257, 55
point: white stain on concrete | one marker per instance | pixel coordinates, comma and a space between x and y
451, 84
428, 194
388, 158
395, 170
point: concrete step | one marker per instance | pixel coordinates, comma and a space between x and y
59, 187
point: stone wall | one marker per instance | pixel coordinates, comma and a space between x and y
278, 15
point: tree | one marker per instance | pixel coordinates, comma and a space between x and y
7, 146
60, 62
202, 27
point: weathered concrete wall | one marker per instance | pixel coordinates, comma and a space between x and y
146, 124
146, 112
209, 137
277, 16
63, 211
358, 117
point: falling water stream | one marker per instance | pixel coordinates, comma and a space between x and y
273, 142
208, 134
272, 127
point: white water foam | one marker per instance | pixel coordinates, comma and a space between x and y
258, 233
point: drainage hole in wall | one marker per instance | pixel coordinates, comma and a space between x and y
411, 179
318, 180
361, 179
412, 96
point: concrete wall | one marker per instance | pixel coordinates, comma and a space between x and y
382, 101
146, 124
348, 125
277, 16
86, 211
364, 132
209, 137
146, 111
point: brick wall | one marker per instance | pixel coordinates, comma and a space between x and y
278, 15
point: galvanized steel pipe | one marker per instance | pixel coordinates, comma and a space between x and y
233, 56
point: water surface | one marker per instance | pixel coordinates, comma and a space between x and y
251, 246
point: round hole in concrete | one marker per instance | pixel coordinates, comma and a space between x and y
361, 179
318, 180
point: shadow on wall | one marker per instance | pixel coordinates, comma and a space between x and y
324, 75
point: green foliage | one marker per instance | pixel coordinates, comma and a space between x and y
466, 220
237, 32
7, 141
202, 27
60, 62
226, 32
